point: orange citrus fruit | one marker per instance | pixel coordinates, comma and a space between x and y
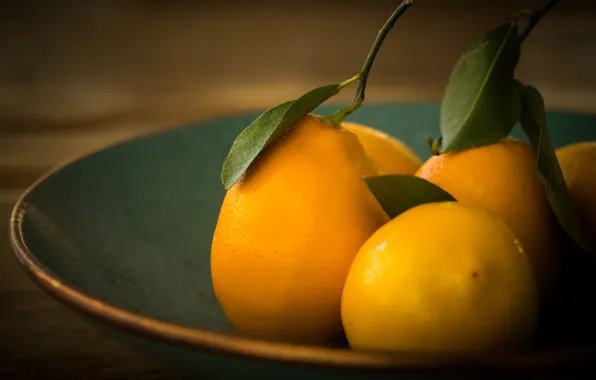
288, 231
391, 155
502, 178
441, 277
578, 164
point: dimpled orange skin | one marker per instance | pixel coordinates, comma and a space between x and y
392, 155
441, 277
578, 164
288, 231
502, 178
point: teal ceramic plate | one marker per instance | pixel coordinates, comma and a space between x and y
123, 237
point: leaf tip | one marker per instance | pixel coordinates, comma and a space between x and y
228, 176
226, 184
225, 181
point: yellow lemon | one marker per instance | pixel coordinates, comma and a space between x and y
288, 231
391, 155
441, 277
578, 163
502, 178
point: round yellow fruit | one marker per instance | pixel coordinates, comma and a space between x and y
288, 231
441, 277
502, 178
578, 163
391, 155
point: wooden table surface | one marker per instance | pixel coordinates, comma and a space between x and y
77, 76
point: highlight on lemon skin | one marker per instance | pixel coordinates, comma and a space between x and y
391, 155
441, 277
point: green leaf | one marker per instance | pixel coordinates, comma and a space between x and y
481, 105
267, 128
399, 192
533, 122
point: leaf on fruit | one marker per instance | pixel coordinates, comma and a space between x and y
481, 105
267, 128
533, 122
399, 192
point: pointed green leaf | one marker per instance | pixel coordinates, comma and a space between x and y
399, 192
533, 122
481, 105
267, 128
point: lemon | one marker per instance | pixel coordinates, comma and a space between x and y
441, 277
287, 233
392, 155
502, 178
577, 164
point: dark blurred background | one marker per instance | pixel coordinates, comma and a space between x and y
78, 75
105, 70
